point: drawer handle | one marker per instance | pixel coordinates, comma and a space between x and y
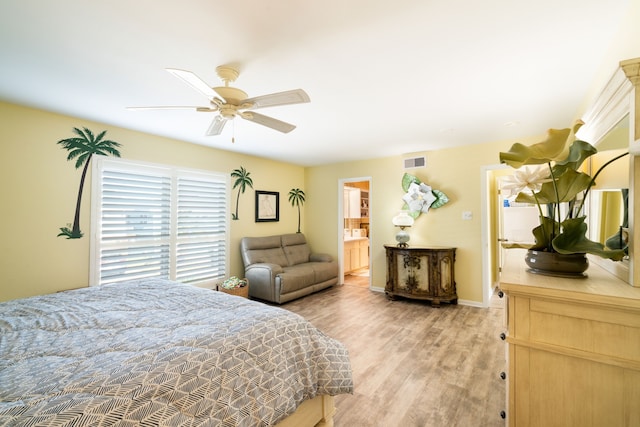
501, 294
503, 375
503, 415
503, 336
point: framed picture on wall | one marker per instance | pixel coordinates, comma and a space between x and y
267, 206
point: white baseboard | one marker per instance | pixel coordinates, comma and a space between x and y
470, 303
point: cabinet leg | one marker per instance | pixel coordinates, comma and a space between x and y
390, 296
435, 303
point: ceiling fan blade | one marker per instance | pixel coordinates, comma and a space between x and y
268, 122
174, 107
216, 126
296, 96
194, 81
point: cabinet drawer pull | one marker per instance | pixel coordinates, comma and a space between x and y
503, 336
503, 415
500, 294
503, 375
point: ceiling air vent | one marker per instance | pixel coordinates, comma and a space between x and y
415, 162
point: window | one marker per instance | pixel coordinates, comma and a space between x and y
158, 221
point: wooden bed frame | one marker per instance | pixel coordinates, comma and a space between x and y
317, 412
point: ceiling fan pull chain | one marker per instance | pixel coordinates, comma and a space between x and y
233, 132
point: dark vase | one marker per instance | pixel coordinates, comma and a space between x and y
558, 265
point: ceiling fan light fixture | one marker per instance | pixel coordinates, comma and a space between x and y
231, 95
228, 111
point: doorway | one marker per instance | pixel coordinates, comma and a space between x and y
354, 231
504, 223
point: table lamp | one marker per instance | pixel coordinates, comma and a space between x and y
402, 220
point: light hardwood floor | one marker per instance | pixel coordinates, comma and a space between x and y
413, 365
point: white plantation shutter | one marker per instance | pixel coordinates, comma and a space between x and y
157, 221
201, 230
135, 220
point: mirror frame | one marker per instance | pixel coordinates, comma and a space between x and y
621, 96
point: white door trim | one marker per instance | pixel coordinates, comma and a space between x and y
488, 241
340, 231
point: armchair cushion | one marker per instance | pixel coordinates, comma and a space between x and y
320, 258
295, 248
263, 250
296, 278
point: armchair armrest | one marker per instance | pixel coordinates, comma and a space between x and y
262, 280
264, 270
320, 258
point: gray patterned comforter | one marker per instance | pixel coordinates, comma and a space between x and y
154, 352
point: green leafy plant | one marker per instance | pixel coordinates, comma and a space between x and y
558, 180
82, 148
297, 198
242, 181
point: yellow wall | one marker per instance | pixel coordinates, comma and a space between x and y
439, 227
38, 191
40, 187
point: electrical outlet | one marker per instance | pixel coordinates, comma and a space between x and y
467, 215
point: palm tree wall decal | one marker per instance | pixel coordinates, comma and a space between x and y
296, 197
82, 148
243, 180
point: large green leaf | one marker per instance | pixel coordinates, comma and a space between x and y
573, 240
441, 199
525, 198
407, 180
552, 149
544, 233
569, 184
578, 153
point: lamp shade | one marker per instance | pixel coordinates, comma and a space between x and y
402, 219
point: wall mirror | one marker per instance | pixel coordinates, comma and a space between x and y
612, 125
608, 207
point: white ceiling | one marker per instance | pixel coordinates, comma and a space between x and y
384, 77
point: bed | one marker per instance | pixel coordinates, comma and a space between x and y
156, 352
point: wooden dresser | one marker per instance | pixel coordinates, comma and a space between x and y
421, 273
573, 348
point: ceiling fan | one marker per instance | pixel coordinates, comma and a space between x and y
230, 102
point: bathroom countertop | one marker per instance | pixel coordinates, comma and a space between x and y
351, 239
